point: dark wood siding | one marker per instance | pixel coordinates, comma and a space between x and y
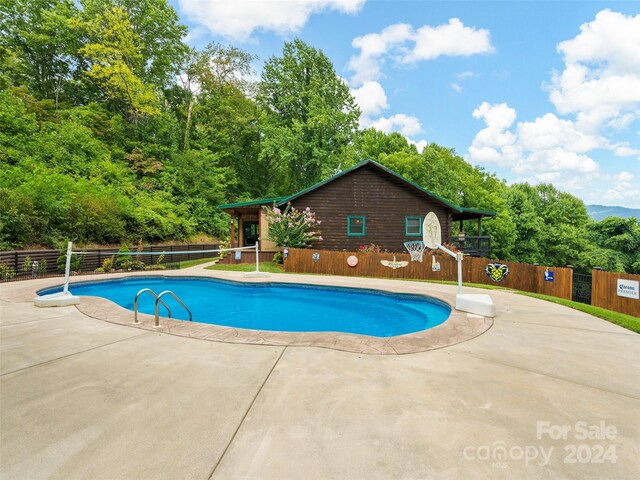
383, 199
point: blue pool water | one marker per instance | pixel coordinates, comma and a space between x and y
280, 307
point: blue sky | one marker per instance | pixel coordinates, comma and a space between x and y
534, 91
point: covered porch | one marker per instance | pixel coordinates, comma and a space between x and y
247, 226
477, 245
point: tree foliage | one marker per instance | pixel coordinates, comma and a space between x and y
309, 116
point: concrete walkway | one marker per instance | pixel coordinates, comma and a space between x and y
84, 398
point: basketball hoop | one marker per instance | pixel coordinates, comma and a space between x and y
415, 249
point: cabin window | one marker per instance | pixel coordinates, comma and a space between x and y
356, 226
413, 226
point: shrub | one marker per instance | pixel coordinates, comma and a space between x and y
42, 267
76, 262
371, 248
292, 228
107, 265
122, 261
26, 265
278, 258
6, 271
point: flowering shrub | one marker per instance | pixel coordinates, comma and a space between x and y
292, 228
372, 248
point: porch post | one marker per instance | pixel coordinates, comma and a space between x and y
259, 232
480, 226
233, 229
460, 230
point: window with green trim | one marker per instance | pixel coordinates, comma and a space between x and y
356, 226
413, 226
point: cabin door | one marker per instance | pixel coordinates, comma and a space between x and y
249, 233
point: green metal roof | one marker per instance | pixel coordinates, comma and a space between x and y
251, 203
282, 200
380, 167
488, 213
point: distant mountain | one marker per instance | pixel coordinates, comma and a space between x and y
598, 212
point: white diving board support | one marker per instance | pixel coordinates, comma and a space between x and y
60, 299
479, 304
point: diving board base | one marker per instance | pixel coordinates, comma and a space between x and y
56, 300
480, 304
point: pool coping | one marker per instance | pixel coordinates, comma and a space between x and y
459, 327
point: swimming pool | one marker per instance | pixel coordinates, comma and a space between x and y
276, 306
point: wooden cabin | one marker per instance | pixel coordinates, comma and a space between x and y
365, 204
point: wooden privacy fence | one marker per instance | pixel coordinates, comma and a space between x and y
522, 276
604, 292
247, 256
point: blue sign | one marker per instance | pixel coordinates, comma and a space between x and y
548, 276
238, 255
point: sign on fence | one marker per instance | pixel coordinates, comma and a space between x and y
548, 275
628, 288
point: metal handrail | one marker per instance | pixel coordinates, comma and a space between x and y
177, 299
135, 304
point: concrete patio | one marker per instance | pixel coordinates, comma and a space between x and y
85, 398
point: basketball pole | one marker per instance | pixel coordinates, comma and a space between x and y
458, 256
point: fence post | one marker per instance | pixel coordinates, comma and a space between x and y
15, 257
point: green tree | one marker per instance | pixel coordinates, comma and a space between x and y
159, 34
309, 116
38, 35
200, 183
218, 108
112, 51
616, 245
372, 144
17, 126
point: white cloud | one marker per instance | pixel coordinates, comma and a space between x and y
555, 160
453, 39
238, 19
371, 98
612, 37
494, 144
420, 144
403, 44
623, 190
551, 132
624, 177
538, 149
407, 125
601, 79
456, 87
466, 75
499, 116
625, 151
374, 46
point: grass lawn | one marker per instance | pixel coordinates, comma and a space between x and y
626, 321
267, 267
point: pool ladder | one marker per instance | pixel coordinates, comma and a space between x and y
158, 302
